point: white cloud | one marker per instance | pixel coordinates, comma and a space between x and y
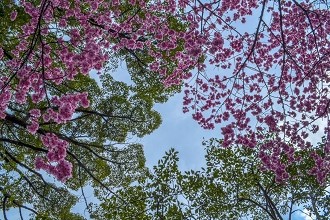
306, 214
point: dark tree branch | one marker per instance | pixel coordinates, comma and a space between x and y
19, 205
271, 203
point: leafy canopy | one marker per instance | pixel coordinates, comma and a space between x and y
232, 185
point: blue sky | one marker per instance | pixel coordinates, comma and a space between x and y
178, 131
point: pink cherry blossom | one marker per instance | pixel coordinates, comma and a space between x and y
13, 15
33, 127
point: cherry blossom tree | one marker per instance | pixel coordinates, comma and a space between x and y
266, 66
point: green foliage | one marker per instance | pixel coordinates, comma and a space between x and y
231, 186
150, 197
9, 29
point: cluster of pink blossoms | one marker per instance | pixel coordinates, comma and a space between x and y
5, 97
67, 106
56, 147
55, 163
321, 169
271, 154
34, 125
